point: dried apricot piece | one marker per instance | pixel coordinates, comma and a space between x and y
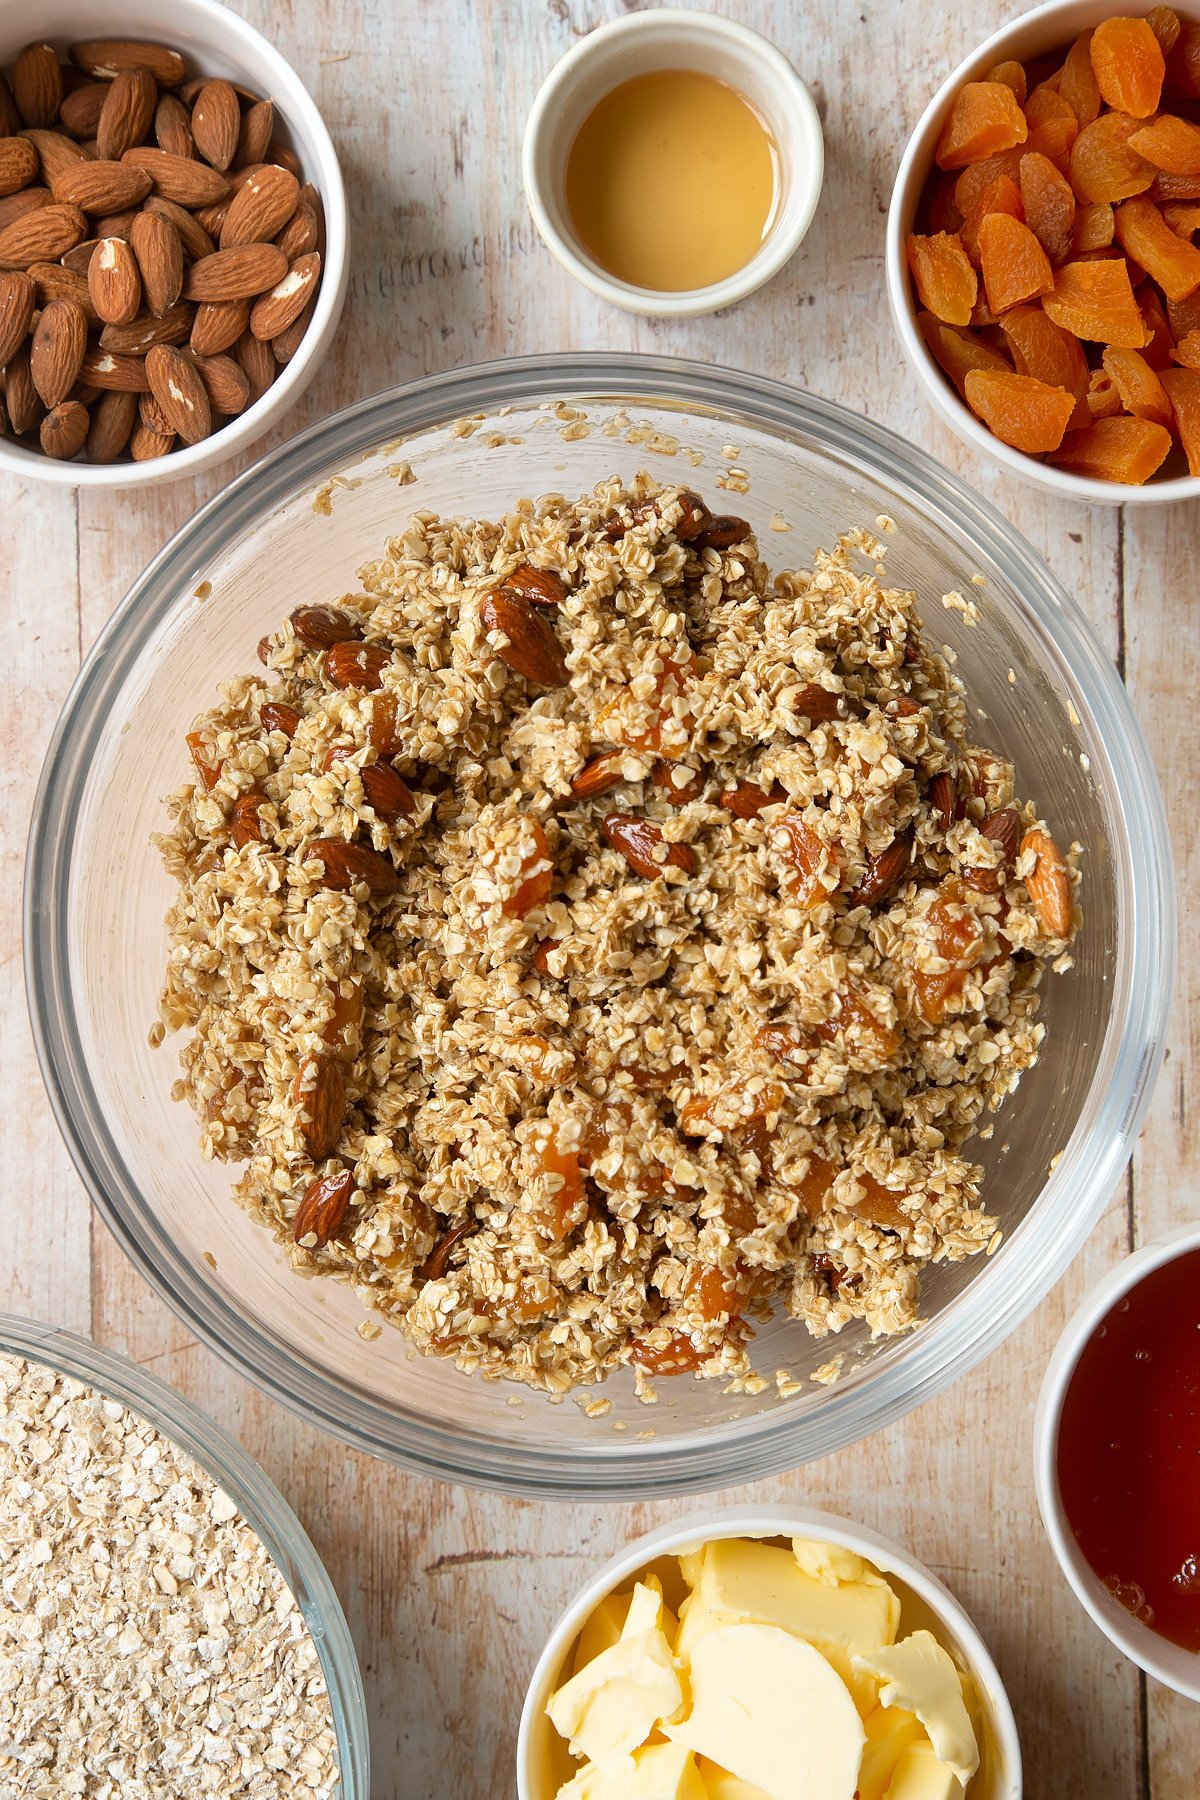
1184, 316
983, 118
958, 351
1165, 25
1051, 122
1142, 393
1015, 267
1096, 301
1129, 65
1183, 386
1012, 74
1049, 202
1169, 259
1001, 195
536, 872
1183, 216
1103, 395
946, 282
1095, 226
1077, 81
1030, 415
1103, 167
1119, 449
1183, 63
1170, 144
1044, 350
1159, 336
1187, 352
973, 182
943, 206
1166, 187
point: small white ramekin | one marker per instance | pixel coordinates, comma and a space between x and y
215, 41
925, 1604
1037, 33
1169, 1663
669, 38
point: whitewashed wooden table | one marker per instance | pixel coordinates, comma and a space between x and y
449, 1593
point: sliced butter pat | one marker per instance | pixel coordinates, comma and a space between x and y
921, 1776
601, 1629
648, 1611
657, 1772
920, 1676
691, 1561
754, 1583
890, 1731
832, 1563
615, 1701
768, 1707
863, 1687
719, 1784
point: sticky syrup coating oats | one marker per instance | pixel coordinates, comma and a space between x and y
672, 993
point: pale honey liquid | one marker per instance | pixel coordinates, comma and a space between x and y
671, 181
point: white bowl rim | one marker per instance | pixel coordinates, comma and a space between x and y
910, 176
779, 247
703, 1525
1156, 1655
27, 464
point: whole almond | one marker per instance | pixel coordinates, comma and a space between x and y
218, 325
155, 244
56, 350
639, 841
52, 281
883, 873
212, 218
747, 799
109, 370
101, 187
817, 703
191, 184
944, 798
19, 166
254, 135
261, 208
388, 793
127, 113
1004, 828
1048, 883
282, 306
41, 236
17, 296
56, 153
279, 153
78, 259
81, 109
63, 430
245, 825
225, 383
37, 85
598, 776
236, 274
10, 118
140, 334
15, 206
322, 1209
145, 445
113, 418
258, 364
541, 587
192, 235
277, 715
320, 627
352, 665
118, 224
531, 648
286, 344
299, 235
105, 58
114, 282
152, 415
347, 864
173, 127
721, 532
216, 123
20, 395
177, 387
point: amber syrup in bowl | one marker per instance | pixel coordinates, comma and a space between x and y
1128, 1451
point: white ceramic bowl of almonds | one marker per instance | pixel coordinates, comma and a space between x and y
226, 402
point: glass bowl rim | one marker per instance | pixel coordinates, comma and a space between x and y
227, 1462
963, 1333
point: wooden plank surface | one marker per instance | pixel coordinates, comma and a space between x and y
450, 1593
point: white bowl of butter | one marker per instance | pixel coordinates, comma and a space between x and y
766, 1654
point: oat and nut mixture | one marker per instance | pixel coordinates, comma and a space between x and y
590, 941
149, 1646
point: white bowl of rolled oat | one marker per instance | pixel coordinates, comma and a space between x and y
187, 1637
605, 938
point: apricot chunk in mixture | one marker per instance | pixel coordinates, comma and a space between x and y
1117, 449
1095, 227
1015, 267
1103, 167
1187, 352
1001, 196
1012, 74
946, 282
1159, 336
972, 183
1165, 25
958, 351
1044, 350
1184, 316
983, 118
1141, 391
1167, 258
1129, 65
1020, 411
1183, 63
1052, 126
1095, 300
1103, 395
1182, 216
1183, 386
1049, 203
1077, 81
1169, 143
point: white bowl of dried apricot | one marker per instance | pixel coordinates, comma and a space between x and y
1040, 262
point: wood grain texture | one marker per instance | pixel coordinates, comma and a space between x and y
450, 1593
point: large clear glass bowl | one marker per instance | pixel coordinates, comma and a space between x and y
297, 527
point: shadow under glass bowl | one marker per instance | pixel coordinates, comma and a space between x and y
1040, 687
